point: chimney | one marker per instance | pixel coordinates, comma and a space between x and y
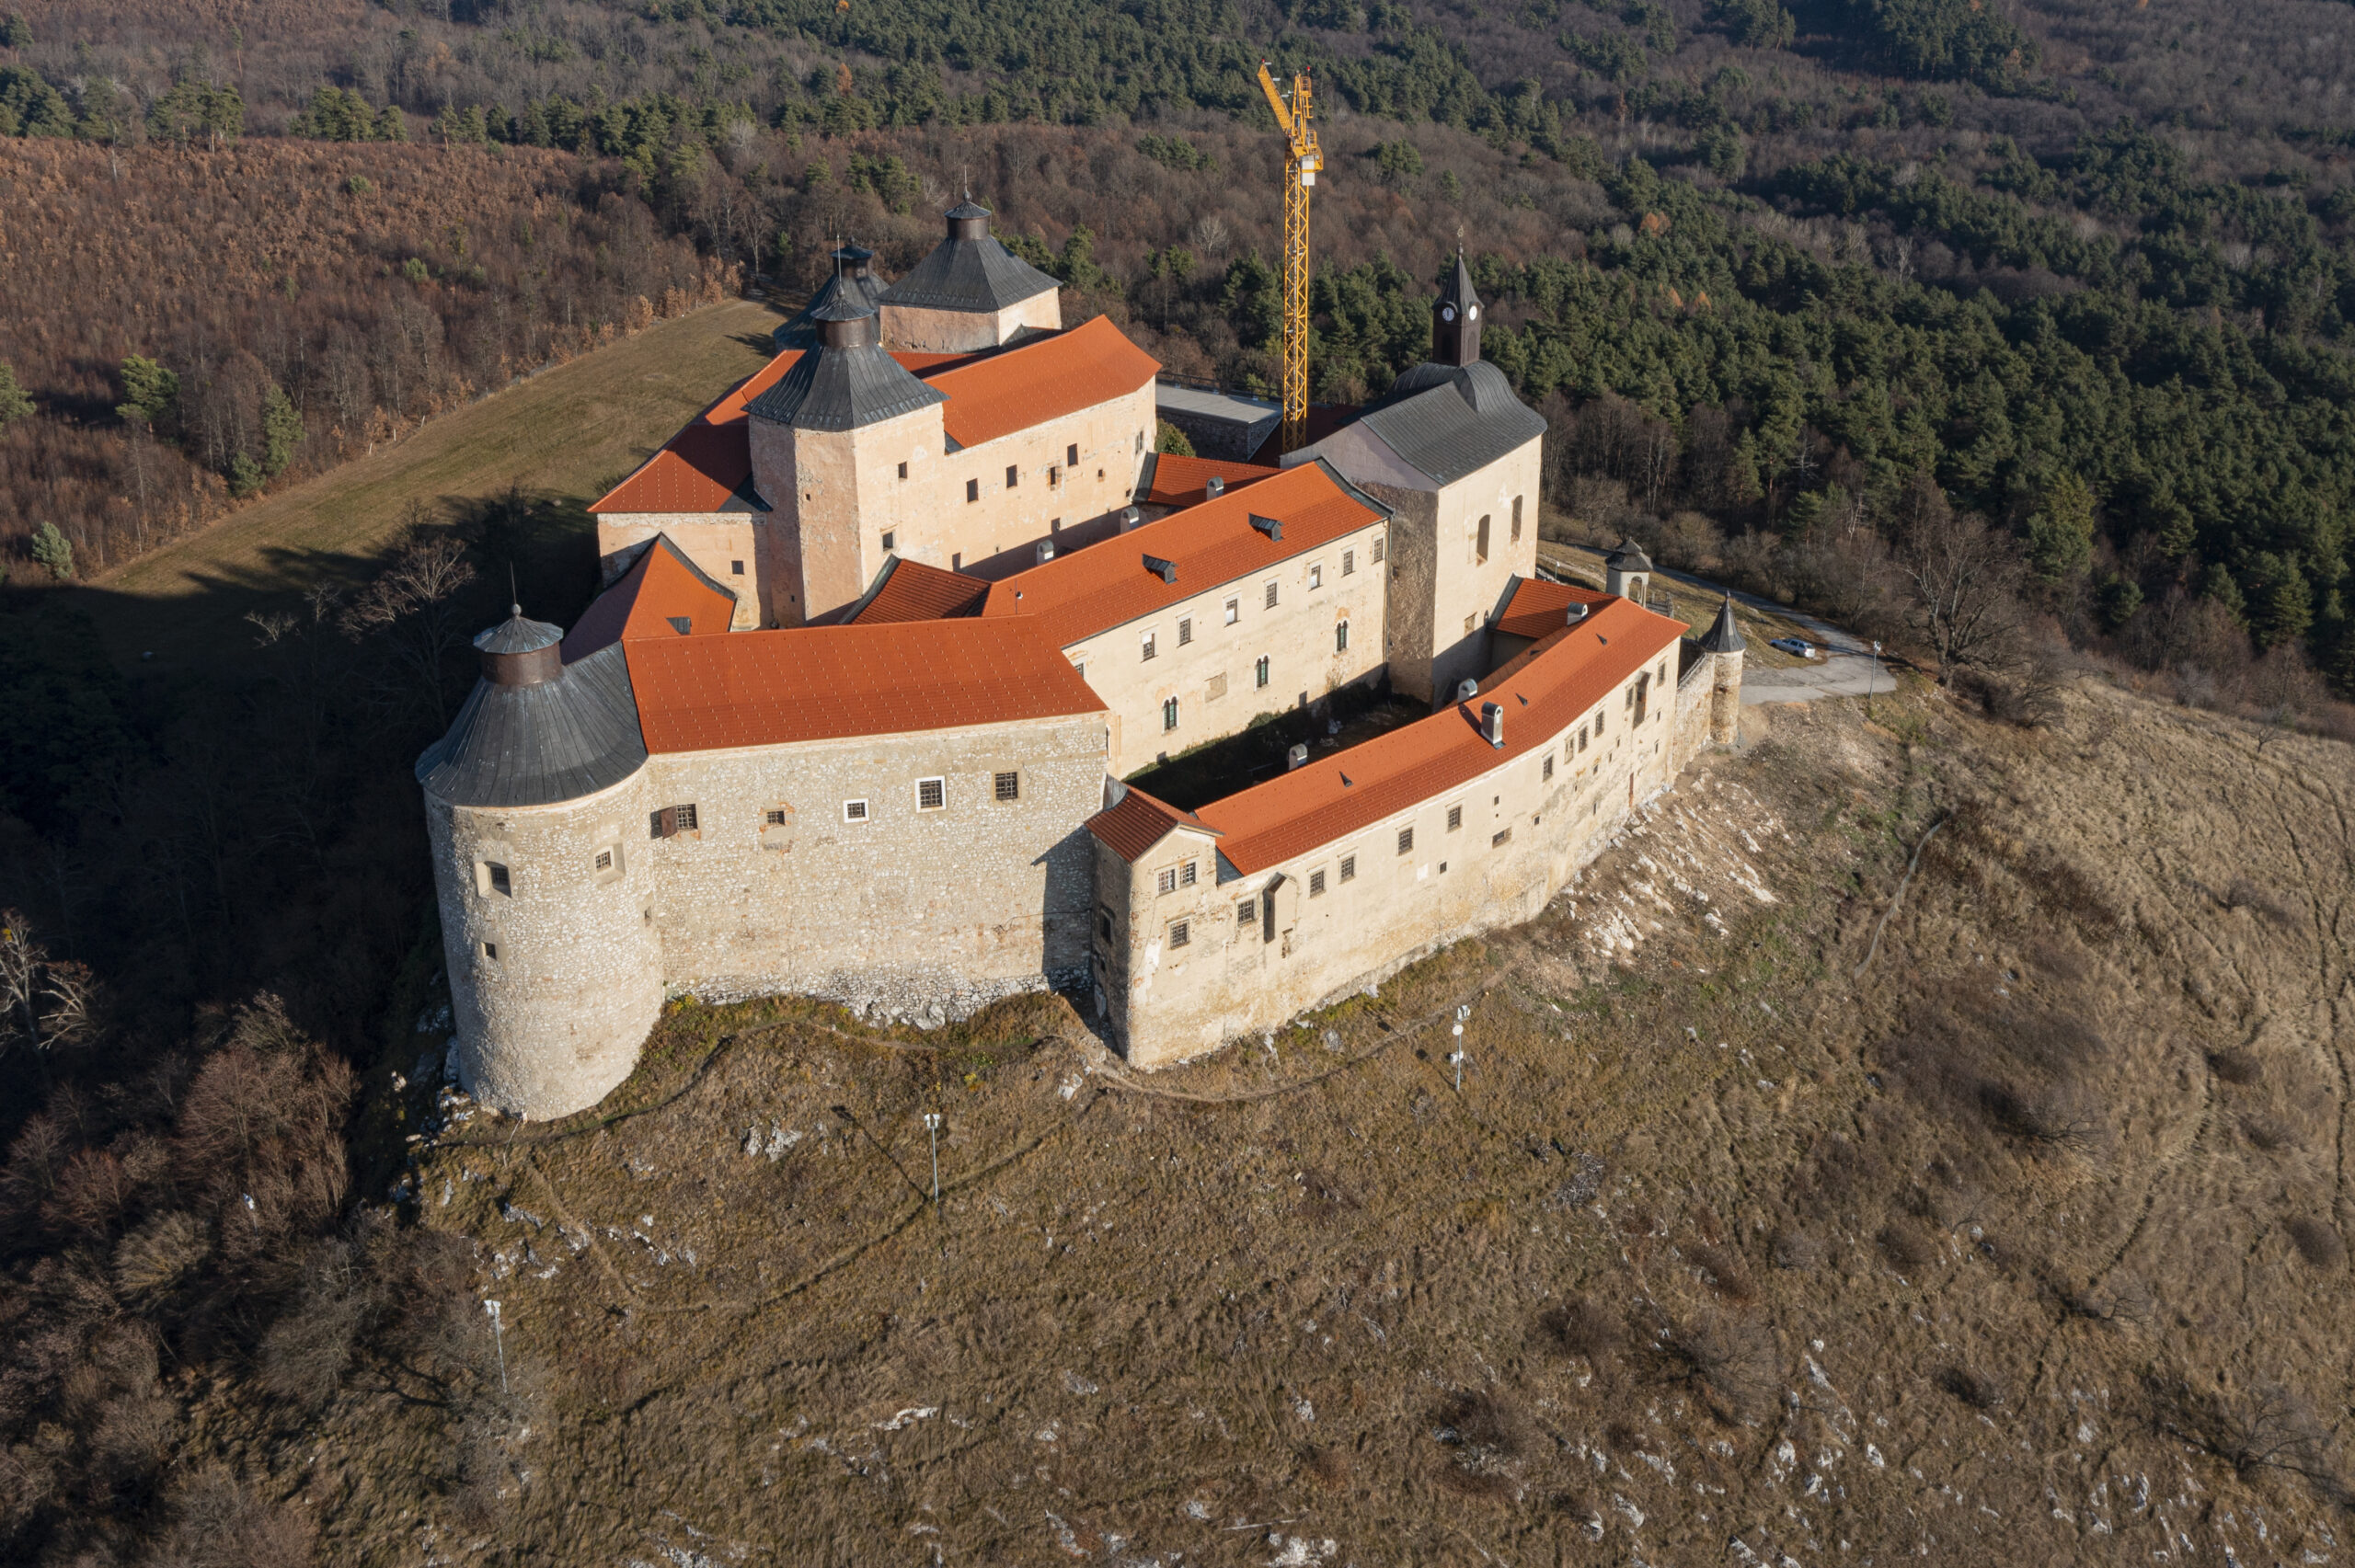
1214, 488
1466, 690
1046, 551
1492, 724
1296, 758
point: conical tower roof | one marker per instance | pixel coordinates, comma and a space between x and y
1628, 558
1723, 636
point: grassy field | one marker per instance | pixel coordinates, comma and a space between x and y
1912, 1139
564, 435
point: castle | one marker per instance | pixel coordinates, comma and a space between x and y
885, 628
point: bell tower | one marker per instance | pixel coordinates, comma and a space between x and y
1456, 320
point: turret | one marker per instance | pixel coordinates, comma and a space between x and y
970, 293
1456, 320
1627, 571
1724, 645
545, 903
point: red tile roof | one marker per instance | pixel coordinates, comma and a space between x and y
910, 590
1538, 607
1107, 584
1543, 693
1041, 380
661, 587
1136, 822
818, 682
990, 394
1179, 481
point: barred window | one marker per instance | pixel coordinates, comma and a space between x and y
854, 811
1185, 631
1317, 883
499, 881
1499, 840
1348, 562
1377, 550
1406, 840
1169, 714
1186, 874
1246, 912
1581, 737
1149, 639
1180, 932
1349, 868
1548, 771
1598, 722
1454, 817
605, 860
1168, 881
1271, 596
773, 818
686, 818
1009, 786
931, 794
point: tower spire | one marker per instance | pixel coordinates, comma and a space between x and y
1455, 317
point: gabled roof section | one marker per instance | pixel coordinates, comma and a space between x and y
1545, 692
910, 590
1170, 480
1132, 825
1449, 420
978, 274
1108, 584
1538, 608
774, 688
661, 589
1045, 379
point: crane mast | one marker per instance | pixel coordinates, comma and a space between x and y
1301, 160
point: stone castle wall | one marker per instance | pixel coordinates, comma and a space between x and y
964, 332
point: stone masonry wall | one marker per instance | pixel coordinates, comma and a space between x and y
555, 982
834, 495
963, 332
1213, 672
926, 915
1443, 595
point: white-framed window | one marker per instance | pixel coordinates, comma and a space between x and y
1340, 636
1317, 883
1349, 563
1377, 549
854, 811
1149, 640
1185, 631
1349, 868
1168, 714
1167, 882
1234, 610
932, 795
1316, 573
1271, 596
1186, 874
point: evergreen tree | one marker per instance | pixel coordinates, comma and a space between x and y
14, 403
282, 429
2061, 530
151, 393
53, 550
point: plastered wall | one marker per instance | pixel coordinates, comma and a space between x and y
963, 332
1444, 594
718, 543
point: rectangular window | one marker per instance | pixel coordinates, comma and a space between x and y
1148, 644
1168, 881
674, 819
1662, 677
1581, 737
1406, 840
1598, 722
490, 951
1349, 868
1234, 610
1103, 922
1516, 519
1271, 596
1547, 771
1185, 631
957, 562
736, 568
1054, 476
605, 861
1316, 573
1140, 440
1377, 550
1499, 840
1260, 670
903, 471
1186, 874
1180, 932
495, 875
1317, 883
1011, 471
1169, 714
887, 543
1008, 786
931, 794
1246, 912
773, 818
1454, 817
1480, 542
973, 489
1054, 525
1348, 562
1071, 455
854, 811
1340, 636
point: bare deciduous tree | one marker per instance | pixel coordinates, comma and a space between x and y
47, 1000
411, 605
1962, 578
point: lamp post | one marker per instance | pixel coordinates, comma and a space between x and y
932, 1125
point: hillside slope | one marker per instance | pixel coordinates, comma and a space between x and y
1777, 1214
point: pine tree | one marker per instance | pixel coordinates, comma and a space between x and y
53, 550
14, 403
151, 393
282, 430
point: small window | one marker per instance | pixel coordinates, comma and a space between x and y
501, 883
889, 543
773, 818
1316, 573
1516, 519
1469, 622
1499, 840
1246, 912
1260, 670
957, 562
1140, 440
1454, 817
1377, 550
1185, 631
1317, 883
973, 489
1071, 455
490, 951
1168, 881
686, 818
1349, 868
1548, 769
1054, 525
1480, 542
1341, 637
1169, 714
1406, 840
736, 568
1103, 922
605, 861
931, 794
1581, 737
1149, 637
1186, 874
1012, 473
1234, 610
1271, 596
1008, 786
1180, 932
854, 811
903, 471
1598, 723
1662, 676
1080, 669
1054, 476
1349, 563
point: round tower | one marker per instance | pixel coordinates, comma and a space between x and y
1724, 645
1627, 571
537, 804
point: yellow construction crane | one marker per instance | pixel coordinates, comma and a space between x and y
1301, 161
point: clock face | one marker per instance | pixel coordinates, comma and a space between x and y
1447, 312
1473, 314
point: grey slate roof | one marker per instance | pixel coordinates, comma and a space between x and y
515, 635
533, 745
1628, 558
1458, 289
1723, 636
842, 389
801, 330
978, 275
1449, 420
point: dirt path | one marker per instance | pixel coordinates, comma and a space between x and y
566, 432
